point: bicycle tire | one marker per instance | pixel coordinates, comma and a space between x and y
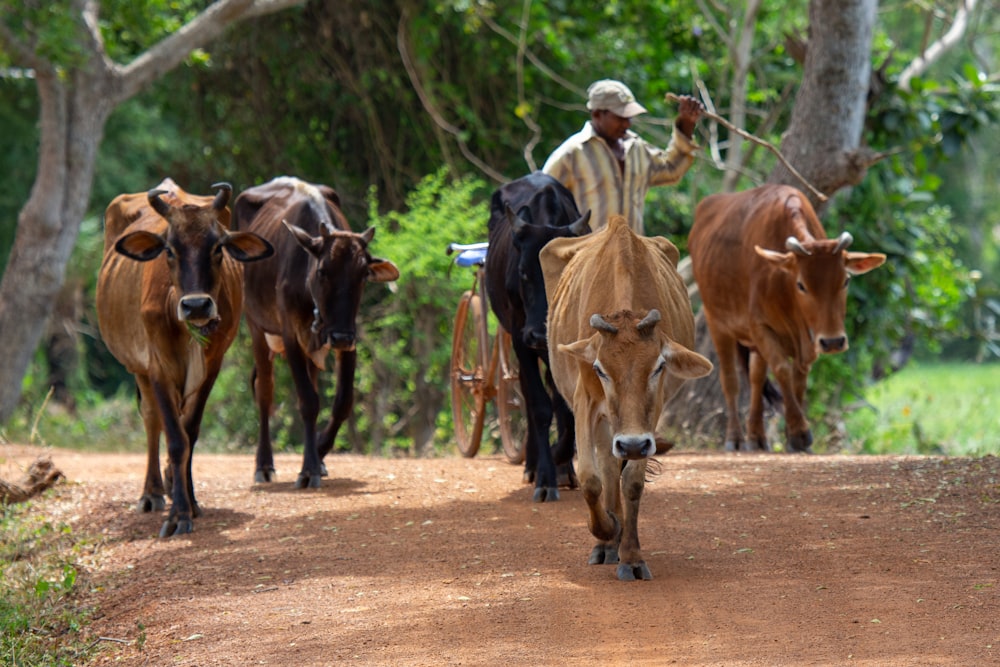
468, 398
510, 402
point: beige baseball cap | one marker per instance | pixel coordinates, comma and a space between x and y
613, 96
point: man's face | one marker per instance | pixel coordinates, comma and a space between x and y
609, 126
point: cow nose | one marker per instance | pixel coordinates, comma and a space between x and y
633, 446
196, 307
341, 341
535, 339
835, 344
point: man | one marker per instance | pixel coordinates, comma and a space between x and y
608, 168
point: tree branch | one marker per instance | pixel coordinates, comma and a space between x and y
746, 135
172, 50
428, 104
954, 34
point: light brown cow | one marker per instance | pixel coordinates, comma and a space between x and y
777, 309
169, 300
620, 325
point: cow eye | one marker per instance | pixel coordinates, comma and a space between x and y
659, 369
168, 252
600, 373
802, 288
847, 280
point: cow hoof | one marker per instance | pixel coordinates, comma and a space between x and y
754, 445
264, 476
307, 481
566, 477
603, 554
801, 443
172, 527
151, 502
634, 572
733, 445
546, 494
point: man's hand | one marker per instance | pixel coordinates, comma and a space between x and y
688, 112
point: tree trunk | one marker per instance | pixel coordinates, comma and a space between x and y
73, 117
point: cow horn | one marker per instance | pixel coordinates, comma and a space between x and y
515, 221
601, 324
581, 226
367, 236
843, 242
158, 204
222, 198
652, 317
796, 246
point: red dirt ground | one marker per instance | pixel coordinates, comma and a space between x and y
756, 559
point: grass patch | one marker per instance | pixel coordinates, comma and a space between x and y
931, 408
41, 622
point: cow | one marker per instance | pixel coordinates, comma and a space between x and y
525, 214
169, 300
303, 304
620, 329
774, 293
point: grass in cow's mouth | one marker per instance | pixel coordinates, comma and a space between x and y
198, 333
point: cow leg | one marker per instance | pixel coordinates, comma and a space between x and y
730, 381
194, 411
262, 384
343, 403
152, 499
539, 417
599, 472
792, 382
566, 437
756, 433
179, 520
633, 480
308, 398
797, 429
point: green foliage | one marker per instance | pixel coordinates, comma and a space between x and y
403, 361
930, 408
40, 623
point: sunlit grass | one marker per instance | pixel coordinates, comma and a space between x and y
930, 408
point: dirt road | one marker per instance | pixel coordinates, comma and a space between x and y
757, 560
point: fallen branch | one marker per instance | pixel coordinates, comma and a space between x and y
746, 135
41, 475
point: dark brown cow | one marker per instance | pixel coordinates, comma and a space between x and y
169, 297
620, 328
786, 307
303, 304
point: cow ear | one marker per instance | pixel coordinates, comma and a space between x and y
685, 363
141, 246
863, 262
781, 260
668, 249
584, 349
247, 247
313, 245
382, 270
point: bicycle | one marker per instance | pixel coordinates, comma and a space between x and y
483, 369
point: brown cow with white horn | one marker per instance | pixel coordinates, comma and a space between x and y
785, 307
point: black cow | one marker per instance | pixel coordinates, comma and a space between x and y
304, 303
525, 215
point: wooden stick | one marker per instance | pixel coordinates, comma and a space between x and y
746, 135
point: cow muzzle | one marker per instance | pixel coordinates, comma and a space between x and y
198, 310
535, 338
631, 447
832, 344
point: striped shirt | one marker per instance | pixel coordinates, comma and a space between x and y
585, 164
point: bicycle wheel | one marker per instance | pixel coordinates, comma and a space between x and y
510, 402
468, 398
